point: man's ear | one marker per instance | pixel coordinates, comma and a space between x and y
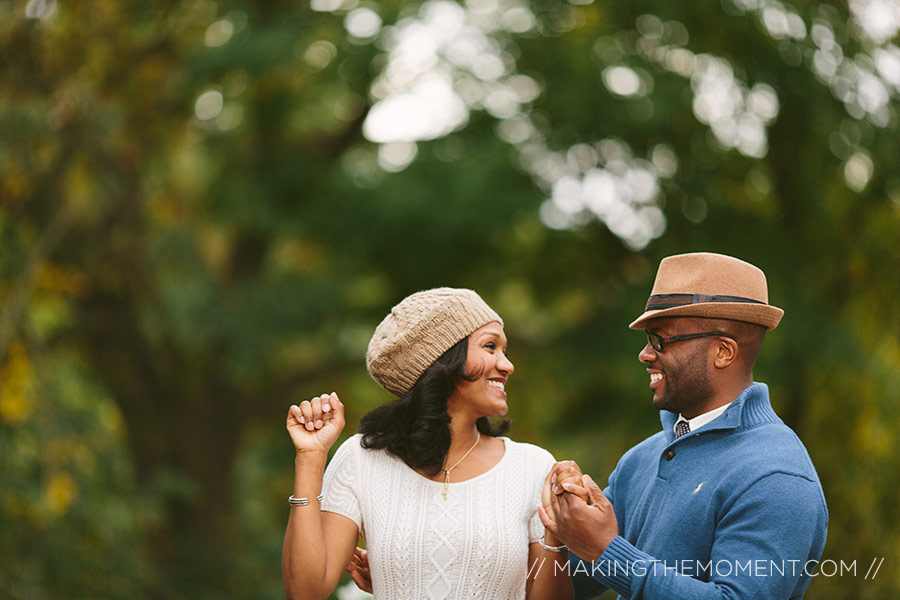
726, 352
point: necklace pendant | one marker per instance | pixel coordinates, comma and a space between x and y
447, 471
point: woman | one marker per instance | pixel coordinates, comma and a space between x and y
446, 505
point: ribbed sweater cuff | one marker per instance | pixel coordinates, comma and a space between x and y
618, 565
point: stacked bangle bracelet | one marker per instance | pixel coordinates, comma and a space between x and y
303, 501
552, 548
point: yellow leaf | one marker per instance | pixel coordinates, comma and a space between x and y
60, 493
15, 386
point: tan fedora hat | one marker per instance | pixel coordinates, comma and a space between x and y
703, 284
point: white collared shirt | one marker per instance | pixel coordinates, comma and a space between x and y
701, 420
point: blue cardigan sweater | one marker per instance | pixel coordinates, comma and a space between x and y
732, 510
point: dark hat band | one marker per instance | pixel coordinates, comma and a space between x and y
664, 301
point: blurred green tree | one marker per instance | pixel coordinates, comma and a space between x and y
205, 208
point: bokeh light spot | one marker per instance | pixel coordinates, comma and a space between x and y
858, 170
427, 111
40, 9
362, 23
319, 54
396, 156
326, 5
219, 33
622, 81
209, 104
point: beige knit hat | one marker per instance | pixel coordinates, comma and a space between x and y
703, 284
418, 330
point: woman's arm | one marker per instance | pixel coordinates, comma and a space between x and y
317, 545
548, 572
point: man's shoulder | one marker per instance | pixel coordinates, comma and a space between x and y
765, 448
773, 447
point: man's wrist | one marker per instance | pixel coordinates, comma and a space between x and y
594, 550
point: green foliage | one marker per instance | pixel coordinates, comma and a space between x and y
195, 233
69, 511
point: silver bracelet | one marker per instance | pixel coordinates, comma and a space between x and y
303, 501
553, 548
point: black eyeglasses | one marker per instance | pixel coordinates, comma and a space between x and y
659, 341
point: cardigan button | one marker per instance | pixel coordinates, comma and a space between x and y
669, 454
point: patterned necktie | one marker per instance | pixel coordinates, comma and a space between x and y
681, 428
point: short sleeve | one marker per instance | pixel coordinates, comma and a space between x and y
535, 527
339, 484
540, 464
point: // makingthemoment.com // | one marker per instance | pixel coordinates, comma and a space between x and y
721, 568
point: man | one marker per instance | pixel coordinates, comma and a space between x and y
724, 502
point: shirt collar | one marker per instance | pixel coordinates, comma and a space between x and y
750, 409
701, 420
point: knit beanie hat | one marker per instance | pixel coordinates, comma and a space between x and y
418, 330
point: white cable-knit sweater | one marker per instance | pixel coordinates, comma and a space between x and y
474, 544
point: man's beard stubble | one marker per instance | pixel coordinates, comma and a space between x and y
686, 384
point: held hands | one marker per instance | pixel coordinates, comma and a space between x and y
564, 476
587, 530
567, 473
314, 426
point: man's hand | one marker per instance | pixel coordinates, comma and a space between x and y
568, 471
563, 472
586, 530
359, 570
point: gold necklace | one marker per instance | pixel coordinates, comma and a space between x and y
447, 471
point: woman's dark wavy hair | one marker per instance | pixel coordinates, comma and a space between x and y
416, 427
